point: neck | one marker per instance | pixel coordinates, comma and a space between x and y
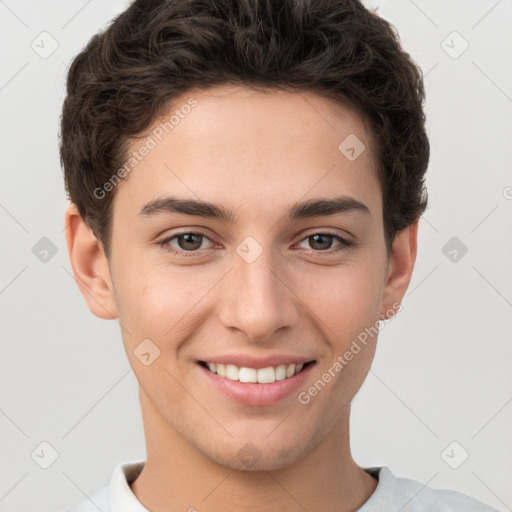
177, 477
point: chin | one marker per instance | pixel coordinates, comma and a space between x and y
255, 455
258, 461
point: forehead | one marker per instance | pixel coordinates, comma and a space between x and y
236, 145
270, 116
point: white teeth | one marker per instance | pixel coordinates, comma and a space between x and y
221, 369
262, 375
232, 371
281, 372
290, 370
248, 375
266, 375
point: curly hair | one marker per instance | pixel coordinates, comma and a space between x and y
156, 50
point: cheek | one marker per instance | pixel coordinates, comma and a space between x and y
347, 299
156, 301
160, 301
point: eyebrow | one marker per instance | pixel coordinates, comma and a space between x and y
300, 210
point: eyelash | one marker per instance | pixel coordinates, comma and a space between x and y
344, 244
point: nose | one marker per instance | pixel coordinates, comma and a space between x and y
257, 298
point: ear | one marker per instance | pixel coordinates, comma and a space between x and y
90, 265
400, 267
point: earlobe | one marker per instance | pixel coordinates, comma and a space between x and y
90, 265
400, 267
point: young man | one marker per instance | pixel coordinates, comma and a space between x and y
246, 181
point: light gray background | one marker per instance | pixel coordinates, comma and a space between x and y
442, 369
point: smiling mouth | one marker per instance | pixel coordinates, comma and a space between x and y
266, 375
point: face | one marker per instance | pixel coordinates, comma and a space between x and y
261, 280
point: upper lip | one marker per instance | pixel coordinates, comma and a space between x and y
257, 362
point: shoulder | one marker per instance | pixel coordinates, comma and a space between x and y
407, 495
117, 495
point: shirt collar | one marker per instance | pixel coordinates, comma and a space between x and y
120, 496
122, 499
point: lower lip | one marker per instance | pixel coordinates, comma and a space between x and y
252, 393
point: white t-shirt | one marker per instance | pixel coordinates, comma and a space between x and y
392, 494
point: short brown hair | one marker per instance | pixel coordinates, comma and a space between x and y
156, 50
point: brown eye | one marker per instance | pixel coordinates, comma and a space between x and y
320, 242
182, 243
189, 241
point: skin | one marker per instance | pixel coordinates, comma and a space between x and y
257, 154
